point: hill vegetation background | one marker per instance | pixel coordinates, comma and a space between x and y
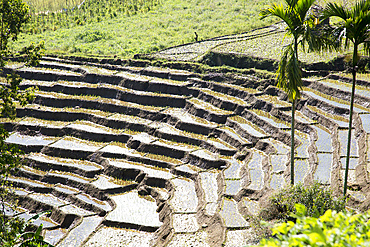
127, 27
124, 28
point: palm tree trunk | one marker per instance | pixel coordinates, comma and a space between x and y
1, 32
292, 124
354, 70
292, 146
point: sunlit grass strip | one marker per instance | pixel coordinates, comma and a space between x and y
241, 120
43, 122
52, 5
163, 158
268, 115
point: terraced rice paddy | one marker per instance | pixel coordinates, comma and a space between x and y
266, 42
145, 156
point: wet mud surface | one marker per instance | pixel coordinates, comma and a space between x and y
146, 156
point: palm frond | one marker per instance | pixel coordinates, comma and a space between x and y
303, 6
277, 11
320, 39
362, 27
282, 81
355, 25
289, 74
333, 9
295, 78
291, 3
360, 7
291, 7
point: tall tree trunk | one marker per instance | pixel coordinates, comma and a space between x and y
292, 123
1, 28
354, 70
292, 146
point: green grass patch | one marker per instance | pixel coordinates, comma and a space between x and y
331, 229
167, 24
123, 28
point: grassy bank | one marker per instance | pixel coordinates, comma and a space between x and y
170, 23
111, 28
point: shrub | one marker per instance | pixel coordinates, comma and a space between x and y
15, 231
89, 36
331, 229
315, 198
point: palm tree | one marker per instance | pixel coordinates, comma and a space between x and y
301, 25
354, 27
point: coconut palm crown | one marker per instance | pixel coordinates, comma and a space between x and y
354, 28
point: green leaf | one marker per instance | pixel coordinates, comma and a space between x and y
317, 235
280, 229
38, 232
327, 217
300, 210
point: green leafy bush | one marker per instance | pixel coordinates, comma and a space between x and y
15, 231
314, 197
331, 229
89, 36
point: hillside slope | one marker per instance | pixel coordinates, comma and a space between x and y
168, 24
128, 154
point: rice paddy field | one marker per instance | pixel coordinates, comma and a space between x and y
271, 47
141, 152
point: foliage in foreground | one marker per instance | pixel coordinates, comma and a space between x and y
15, 232
315, 198
334, 229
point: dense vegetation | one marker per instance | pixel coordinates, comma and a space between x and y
37, 6
315, 198
331, 229
141, 26
87, 12
13, 230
